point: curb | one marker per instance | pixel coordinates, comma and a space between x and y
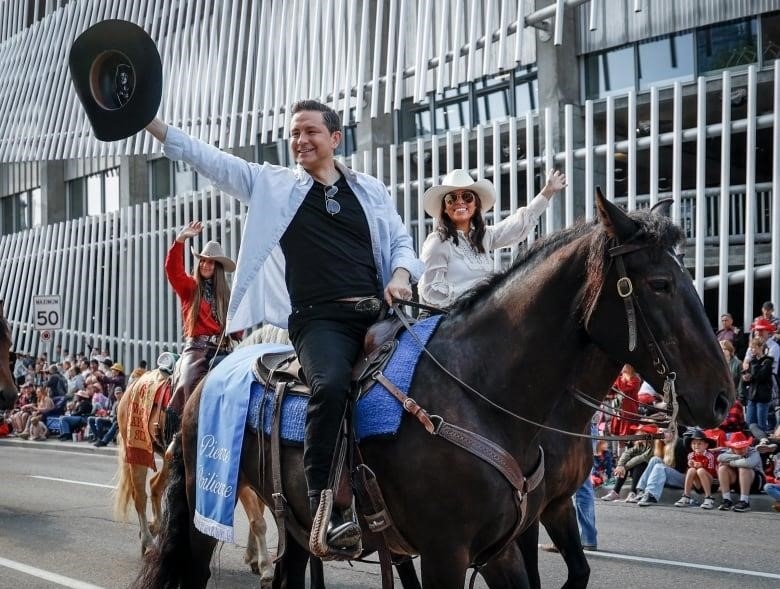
54, 444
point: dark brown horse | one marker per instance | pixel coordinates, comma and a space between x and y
8, 390
523, 341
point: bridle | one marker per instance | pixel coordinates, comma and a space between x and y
633, 310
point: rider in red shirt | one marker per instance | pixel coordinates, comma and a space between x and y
204, 297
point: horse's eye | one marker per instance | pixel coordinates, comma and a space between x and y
660, 285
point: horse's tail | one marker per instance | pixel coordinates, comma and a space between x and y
170, 556
123, 493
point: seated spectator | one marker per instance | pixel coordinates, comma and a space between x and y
25, 405
99, 399
666, 468
110, 435
44, 403
77, 418
735, 419
702, 469
739, 470
601, 471
38, 430
75, 381
632, 462
115, 377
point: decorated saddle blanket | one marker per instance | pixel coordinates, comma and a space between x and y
139, 448
222, 420
377, 413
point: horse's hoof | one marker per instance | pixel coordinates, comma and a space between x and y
255, 568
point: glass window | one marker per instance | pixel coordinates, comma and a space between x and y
726, 45
526, 97
493, 104
37, 207
160, 172
112, 190
666, 60
770, 37
7, 211
94, 194
452, 115
183, 179
76, 199
610, 72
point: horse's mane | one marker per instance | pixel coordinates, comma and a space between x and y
657, 231
267, 334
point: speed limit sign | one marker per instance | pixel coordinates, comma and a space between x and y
48, 312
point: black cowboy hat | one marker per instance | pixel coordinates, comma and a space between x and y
117, 74
696, 433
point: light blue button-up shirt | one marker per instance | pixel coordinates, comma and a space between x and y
273, 194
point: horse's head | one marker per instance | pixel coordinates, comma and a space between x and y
662, 328
8, 391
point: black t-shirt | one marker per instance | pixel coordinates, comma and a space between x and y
327, 256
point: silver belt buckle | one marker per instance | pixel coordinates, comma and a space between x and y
368, 305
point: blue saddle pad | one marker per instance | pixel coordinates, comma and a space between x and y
378, 413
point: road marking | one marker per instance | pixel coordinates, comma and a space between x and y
677, 563
32, 476
46, 575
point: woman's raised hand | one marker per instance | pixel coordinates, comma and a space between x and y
556, 181
189, 231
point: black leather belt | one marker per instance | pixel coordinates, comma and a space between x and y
222, 342
363, 304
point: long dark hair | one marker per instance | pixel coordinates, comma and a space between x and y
221, 296
447, 229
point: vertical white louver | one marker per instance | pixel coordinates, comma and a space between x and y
232, 67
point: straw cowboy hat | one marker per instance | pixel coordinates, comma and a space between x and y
458, 180
117, 367
213, 251
117, 74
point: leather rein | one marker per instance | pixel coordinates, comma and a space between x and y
633, 310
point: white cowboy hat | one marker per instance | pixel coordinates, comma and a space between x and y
213, 251
457, 180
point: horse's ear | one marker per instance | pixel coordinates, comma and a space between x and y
616, 222
663, 207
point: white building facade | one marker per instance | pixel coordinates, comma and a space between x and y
646, 98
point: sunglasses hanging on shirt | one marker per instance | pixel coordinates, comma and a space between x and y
331, 204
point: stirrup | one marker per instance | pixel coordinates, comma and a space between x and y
340, 543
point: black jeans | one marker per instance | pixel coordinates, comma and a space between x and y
328, 339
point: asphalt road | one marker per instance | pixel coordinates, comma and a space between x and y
57, 530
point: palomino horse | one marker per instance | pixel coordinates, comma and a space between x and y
500, 370
8, 390
131, 485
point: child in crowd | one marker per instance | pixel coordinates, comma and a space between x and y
702, 469
602, 464
739, 468
38, 430
633, 461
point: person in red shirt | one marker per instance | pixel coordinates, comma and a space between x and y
204, 297
702, 469
626, 386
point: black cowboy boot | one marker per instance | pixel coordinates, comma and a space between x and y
342, 532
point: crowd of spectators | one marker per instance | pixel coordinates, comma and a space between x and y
738, 459
71, 396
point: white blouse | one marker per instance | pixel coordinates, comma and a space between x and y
451, 270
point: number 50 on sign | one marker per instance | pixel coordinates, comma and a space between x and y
48, 312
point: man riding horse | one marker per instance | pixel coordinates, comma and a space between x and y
323, 245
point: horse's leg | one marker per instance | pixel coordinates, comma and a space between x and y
507, 571
560, 521
157, 488
138, 481
257, 529
290, 570
443, 567
528, 542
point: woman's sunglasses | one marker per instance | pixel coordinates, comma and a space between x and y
453, 197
